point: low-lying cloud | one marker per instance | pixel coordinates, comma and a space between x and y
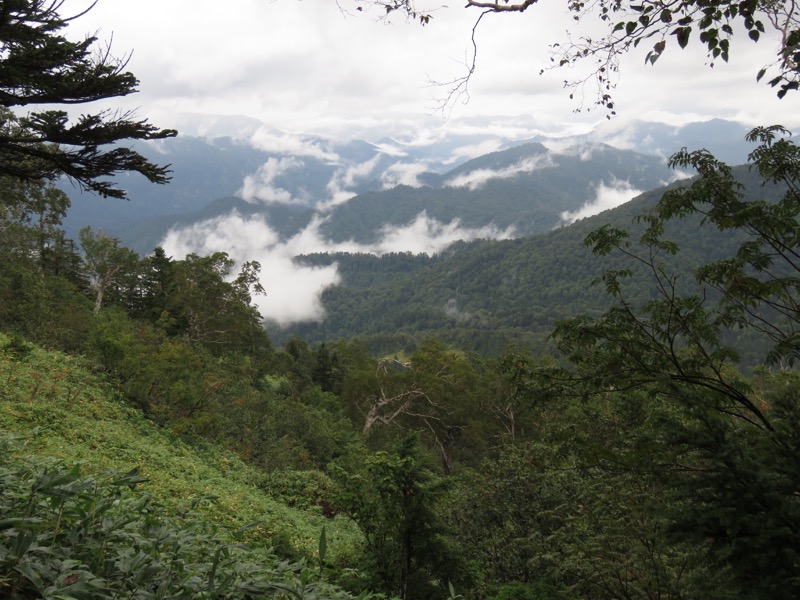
260, 186
403, 173
294, 291
476, 179
568, 147
340, 186
280, 142
475, 150
606, 197
426, 235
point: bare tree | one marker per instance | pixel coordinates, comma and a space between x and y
411, 408
629, 24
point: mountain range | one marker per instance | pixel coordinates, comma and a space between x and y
250, 161
486, 295
393, 241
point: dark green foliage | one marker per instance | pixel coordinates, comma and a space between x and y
66, 535
304, 489
521, 591
40, 66
40, 271
278, 432
393, 499
736, 451
366, 270
17, 348
204, 307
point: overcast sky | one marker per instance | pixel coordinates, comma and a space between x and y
308, 66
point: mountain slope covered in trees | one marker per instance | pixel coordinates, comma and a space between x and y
487, 295
523, 190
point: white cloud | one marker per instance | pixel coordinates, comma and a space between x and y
475, 150
281, 142
390, 150
337, 197
403, 174
570, 148
341, 183
349, 176
479, 177
241, 237
428, 235
294, 291
260, 185
305, 66
606, 197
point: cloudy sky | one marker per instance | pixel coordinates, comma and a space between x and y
319, 66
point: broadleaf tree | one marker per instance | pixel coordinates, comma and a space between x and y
105, 262
737, 440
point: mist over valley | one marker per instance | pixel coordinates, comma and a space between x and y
271, 196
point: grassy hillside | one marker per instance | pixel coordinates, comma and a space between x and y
61, 409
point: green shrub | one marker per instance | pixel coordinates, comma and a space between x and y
67, 535
300, 489
17, 348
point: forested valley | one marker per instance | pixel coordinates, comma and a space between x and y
641, 441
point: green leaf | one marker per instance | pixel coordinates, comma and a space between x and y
22, 543
682, 34
252, 525
323, 546
18, 522
31, 575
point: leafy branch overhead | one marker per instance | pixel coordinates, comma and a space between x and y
657, 22
40, 66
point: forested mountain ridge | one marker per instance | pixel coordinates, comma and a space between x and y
216, 166
487, 294
522, 190
393, 181
525, 190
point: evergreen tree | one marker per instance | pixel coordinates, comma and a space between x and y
40, 66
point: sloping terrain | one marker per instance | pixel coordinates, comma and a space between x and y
59, 409
486, 295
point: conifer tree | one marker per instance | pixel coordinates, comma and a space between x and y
40, 66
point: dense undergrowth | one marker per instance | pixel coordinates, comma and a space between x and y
82, 470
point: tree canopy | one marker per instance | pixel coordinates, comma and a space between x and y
40, 66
